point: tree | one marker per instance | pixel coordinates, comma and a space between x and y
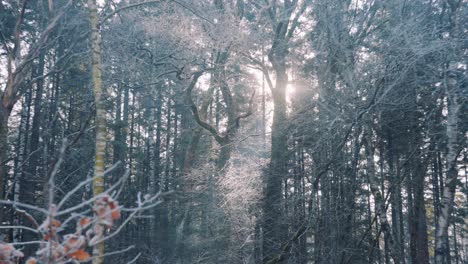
283, 20
19, 59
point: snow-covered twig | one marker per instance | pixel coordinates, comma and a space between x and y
92, 200
28, 243
116, 252
20, 227
24, 205
60, 248
85, 182
134, 259
142, 206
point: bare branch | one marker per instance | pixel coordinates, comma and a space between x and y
243, 115
295, 21
28, 206
188, 95
118, 10
134, 259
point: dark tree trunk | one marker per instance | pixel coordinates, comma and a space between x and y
4, 116
119, 141
273, 229
33, 177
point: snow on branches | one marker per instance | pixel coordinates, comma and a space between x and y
96, 220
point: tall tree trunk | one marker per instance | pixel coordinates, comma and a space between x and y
34, 159
350, 199
19, 166
263, 120
300, 248
166, 227
132, 133
5, 112
417, 207
448, 192
274, 231
119, 140
452, 86
422, 255
183, 160
379, 198
100, 120
31, 180
156, 175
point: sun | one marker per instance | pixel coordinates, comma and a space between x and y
259, 79
290, 92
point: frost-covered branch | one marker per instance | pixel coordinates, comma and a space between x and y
95, 219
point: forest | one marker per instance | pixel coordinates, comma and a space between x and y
234, 131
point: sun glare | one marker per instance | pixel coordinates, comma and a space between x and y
290, 91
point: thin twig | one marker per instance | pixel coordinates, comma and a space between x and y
115, 252
28, 206
71, 209
141, 207
20, 227
55, 170
134, 259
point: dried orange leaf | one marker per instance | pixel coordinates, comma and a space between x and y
31, 261
56, 223
113, 205
115, 214
80, 255
85, 221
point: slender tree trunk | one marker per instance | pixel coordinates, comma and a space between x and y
132, 134
412, 225
390, 246
187, 156
448, 192
300, 249
119, 140
452, 87
455, 244
34, 159
420, 252
395, 200
156, 174
349, 202
19, 166
100, 120
124, 126
263, 122
4, 116
165, 237
435, 187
